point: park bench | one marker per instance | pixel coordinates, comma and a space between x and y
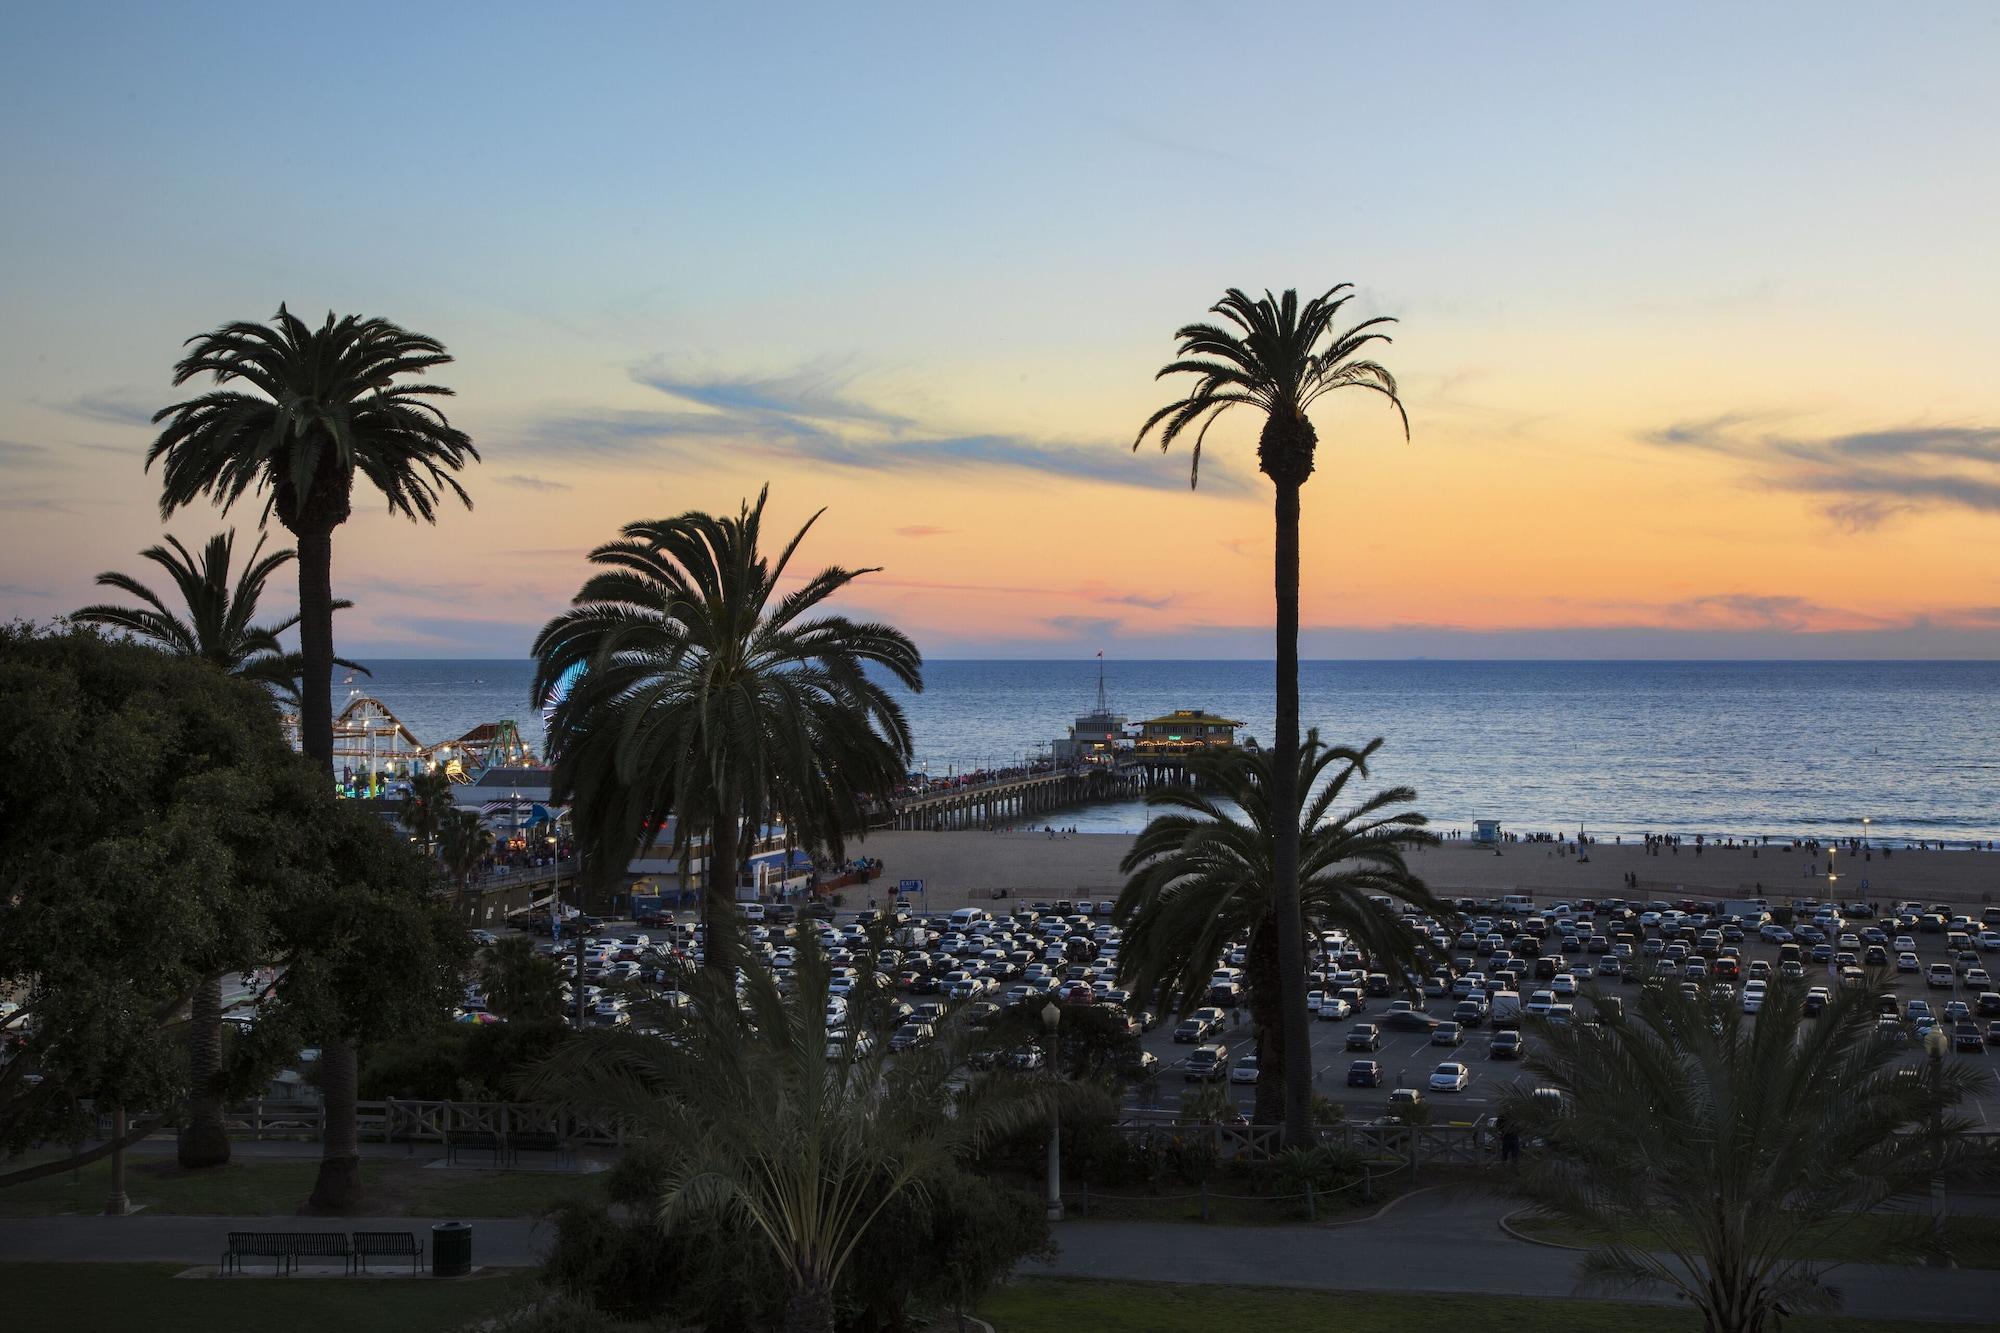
318, 1245
257, 1245
468, 1141
387, 1245
537, 1141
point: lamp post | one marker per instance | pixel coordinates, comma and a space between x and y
1051, 1018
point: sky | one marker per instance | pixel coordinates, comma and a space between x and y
1696, 306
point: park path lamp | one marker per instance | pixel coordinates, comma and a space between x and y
1051, 1019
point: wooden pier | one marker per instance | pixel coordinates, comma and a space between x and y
1020, 799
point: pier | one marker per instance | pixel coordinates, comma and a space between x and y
1020, 797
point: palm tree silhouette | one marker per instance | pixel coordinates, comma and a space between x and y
706, 696
219, 627
1200, 880
1279, 359
329, 403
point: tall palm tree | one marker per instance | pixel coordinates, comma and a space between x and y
1279, 359
756, 1121
219, 627
1201, 878
323, 405
708, 697
463, 841
1706, 1152
429, 806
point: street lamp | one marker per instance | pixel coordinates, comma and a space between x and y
1051, 1018
1936, 1044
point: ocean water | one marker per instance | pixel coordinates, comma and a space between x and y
1741, 748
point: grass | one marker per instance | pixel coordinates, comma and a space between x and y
1974, 1242
249, 1188
149, 1296
1062, 1305
1227, 1205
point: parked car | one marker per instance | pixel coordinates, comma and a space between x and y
1450, 1077
1206, 1064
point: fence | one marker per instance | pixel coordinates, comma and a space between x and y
411, 1122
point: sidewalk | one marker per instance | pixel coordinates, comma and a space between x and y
1433, 1241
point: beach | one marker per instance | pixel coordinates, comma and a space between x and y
963, 868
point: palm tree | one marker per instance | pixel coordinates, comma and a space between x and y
1201, 877
1279, 360
328, 404
708, 698
219, 628
1706, 1152
430, 804
758, 1123
463, 841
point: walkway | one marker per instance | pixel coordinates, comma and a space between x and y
1432, 1241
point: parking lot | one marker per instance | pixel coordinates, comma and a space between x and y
1407, 1057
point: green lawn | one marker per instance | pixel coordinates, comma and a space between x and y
1063, 1305
150, 1297
1879, 1238
255, 1188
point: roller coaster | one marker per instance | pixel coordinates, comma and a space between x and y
371, 744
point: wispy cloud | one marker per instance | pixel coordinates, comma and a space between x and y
425, 590
24, 590
1866, 477
923, 530
528, 483
14, 454
1147, 601
1084, 627
118, 407
813, 416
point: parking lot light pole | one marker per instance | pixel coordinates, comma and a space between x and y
1935, 1046
1051, 1018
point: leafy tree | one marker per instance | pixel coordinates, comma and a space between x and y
522, 984
1706, 1150
324, 404
156, 830
463, 843
706, 694
1279, 359
753, 1127
220, 630
430, 804
1201, 877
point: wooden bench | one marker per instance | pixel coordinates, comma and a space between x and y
387, 1245
257, 1245
475, 1142
537, 1141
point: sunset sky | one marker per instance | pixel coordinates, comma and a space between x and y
1698, 331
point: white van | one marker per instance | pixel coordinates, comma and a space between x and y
965, 917
1517, 902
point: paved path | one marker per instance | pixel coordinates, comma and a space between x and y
1441, 1242
1432, 1241
496, 1242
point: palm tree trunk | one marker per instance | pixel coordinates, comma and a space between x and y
1297, 1055
204, 1141
338, 1188
1260, 982
809, 1309
718, 896
316, 644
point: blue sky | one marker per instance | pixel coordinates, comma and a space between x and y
1654, 267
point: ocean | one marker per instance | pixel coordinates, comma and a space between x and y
1615, 748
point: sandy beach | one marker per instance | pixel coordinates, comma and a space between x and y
969, 867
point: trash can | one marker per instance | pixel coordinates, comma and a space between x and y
451, 1249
